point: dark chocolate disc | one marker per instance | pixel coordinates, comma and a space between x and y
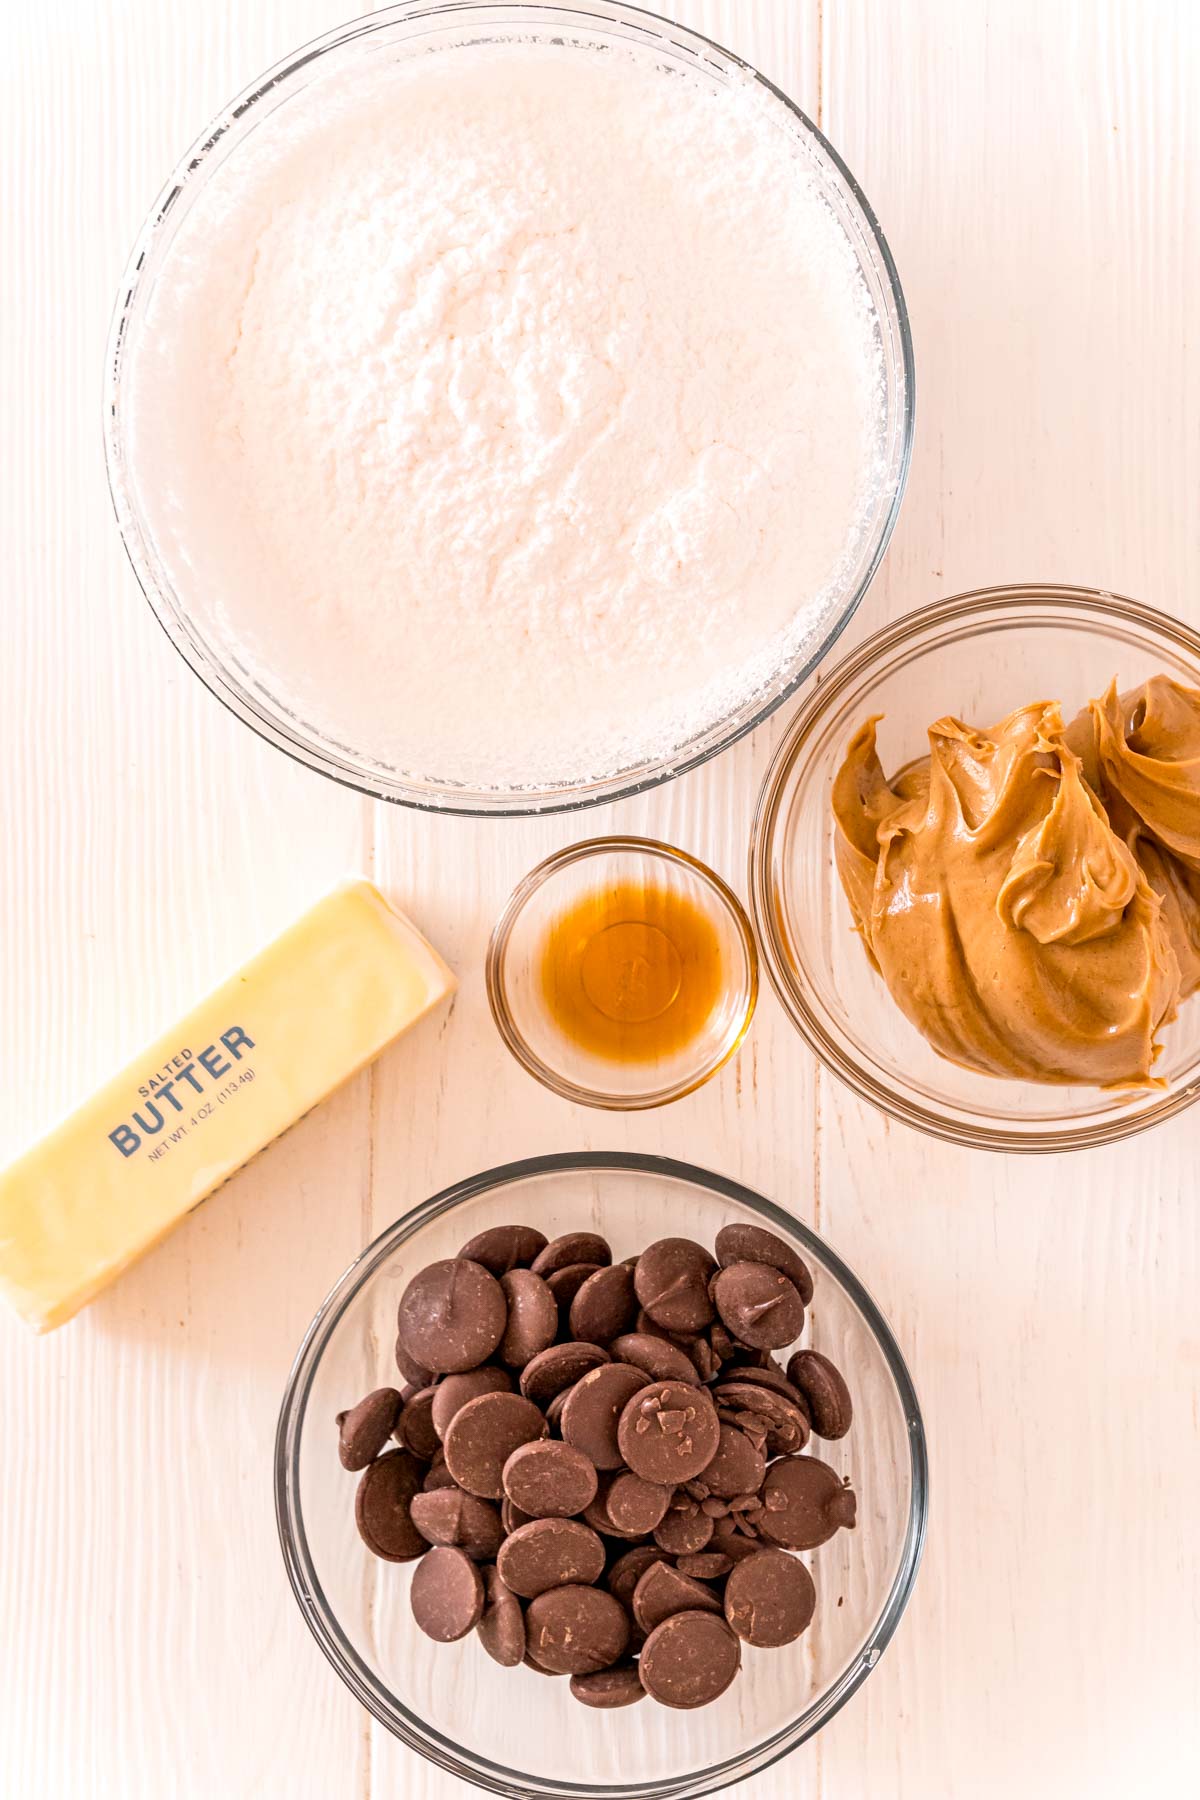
621, 1685
684, 1532
463, 1521
559, 1367
624, 1575
635, 1505
662, 1590
825, 1392
483, 1435
452, 1316
750, 1243
671, 1279
605, 1305
759, 1305
668, 1432
415, 1429
532, 1318
447, 1595
366, 1428
592, 1411
656, 1356
504, 1247
501, 1627
572, 1247
577, 1630
451, 1394
597, 1516
564, 1284
769, 1377
549, 1553
782, 1423
770, 1599
690, 1659
382, 1503
550, 1480
804, 1503
738, 1466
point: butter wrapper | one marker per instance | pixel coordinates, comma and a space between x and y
277, 1037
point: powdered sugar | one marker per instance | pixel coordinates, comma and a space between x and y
513, 412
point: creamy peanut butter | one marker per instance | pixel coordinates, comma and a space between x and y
1031, 892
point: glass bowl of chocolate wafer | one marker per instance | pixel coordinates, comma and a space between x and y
601, 1474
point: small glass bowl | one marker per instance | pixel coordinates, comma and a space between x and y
979, 656
516, 990
191, 616
513, 1731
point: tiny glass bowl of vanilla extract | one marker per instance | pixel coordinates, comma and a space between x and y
622, 973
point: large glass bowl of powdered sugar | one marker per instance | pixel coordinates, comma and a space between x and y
508, 405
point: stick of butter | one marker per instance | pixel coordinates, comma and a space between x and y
293, 1024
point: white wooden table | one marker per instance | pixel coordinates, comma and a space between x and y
1036, 166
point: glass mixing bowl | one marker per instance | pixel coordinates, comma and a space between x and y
511, 1730
978, 656
188, 618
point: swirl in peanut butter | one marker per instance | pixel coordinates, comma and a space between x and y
1030, 893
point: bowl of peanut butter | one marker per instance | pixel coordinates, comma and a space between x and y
975, 868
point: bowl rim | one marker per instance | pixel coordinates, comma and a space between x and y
174, 619
320, 1618
980, 604
494, 977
